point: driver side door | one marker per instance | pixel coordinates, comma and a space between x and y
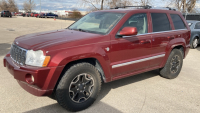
131, 54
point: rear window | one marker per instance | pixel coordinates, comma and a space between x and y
160, 22
177, 21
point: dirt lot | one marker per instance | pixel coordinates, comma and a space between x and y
144, 93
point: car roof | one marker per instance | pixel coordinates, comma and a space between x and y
192, 21
131, 10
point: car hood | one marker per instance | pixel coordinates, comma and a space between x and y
52, 38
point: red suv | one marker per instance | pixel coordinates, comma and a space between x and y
103, 46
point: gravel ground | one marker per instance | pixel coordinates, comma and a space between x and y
143, 93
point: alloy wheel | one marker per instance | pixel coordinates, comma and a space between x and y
175, 64
81, 88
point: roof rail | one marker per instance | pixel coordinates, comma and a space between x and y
170, 8
145, 7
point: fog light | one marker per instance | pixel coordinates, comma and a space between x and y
30, 78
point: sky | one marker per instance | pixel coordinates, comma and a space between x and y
54, 4
72, 4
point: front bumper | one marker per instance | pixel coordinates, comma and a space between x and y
45, 78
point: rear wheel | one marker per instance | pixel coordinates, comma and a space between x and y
173, 65
194, 43
79, 87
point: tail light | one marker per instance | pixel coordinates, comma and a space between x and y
4, 13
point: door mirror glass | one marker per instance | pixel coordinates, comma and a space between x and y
128, 31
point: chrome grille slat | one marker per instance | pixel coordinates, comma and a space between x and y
18, 54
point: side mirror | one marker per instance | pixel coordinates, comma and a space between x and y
128, 31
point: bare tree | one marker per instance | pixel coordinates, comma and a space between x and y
119, 3
183, 5
93, 3
104, 4
75, 14
12, 6
144, 2
4, 5
29, 5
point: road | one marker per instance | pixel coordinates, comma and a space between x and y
143, 93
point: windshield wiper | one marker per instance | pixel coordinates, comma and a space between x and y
79, 30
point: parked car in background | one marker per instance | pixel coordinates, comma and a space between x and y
103, 46
19, 14
23, 14
36, 15
195, 33
33, 14
28, 14
5, 13
48, 15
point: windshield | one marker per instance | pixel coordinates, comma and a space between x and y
97, 22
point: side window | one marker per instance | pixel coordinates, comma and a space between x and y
177, 21
139, 21
160, 22
197, 26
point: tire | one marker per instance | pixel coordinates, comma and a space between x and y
70, 84
173, 65
194, 43
10, 16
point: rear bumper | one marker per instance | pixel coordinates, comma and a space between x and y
44, 77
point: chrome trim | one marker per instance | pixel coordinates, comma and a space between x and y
137, 61
21, 49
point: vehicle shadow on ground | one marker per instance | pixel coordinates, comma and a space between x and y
198, 48
122, 82
9, 17
99, 105
4, 48
56, 108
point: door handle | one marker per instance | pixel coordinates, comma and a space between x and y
145, 41
171, 37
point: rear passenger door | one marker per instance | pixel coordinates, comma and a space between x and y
161, 36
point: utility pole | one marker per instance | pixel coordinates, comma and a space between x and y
40, 6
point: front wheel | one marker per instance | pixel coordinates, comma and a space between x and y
79, 87
173, 65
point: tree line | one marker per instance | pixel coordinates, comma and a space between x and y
181, 5
8, 5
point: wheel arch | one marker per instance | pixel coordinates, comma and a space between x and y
194, 36
91, 60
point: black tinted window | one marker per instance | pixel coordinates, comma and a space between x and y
197, 26
160, 22
177, 21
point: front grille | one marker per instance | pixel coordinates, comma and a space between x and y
18, 54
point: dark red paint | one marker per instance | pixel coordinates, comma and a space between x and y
65, 46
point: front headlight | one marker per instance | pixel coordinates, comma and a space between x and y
36, 58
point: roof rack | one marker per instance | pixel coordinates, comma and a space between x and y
145, 7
